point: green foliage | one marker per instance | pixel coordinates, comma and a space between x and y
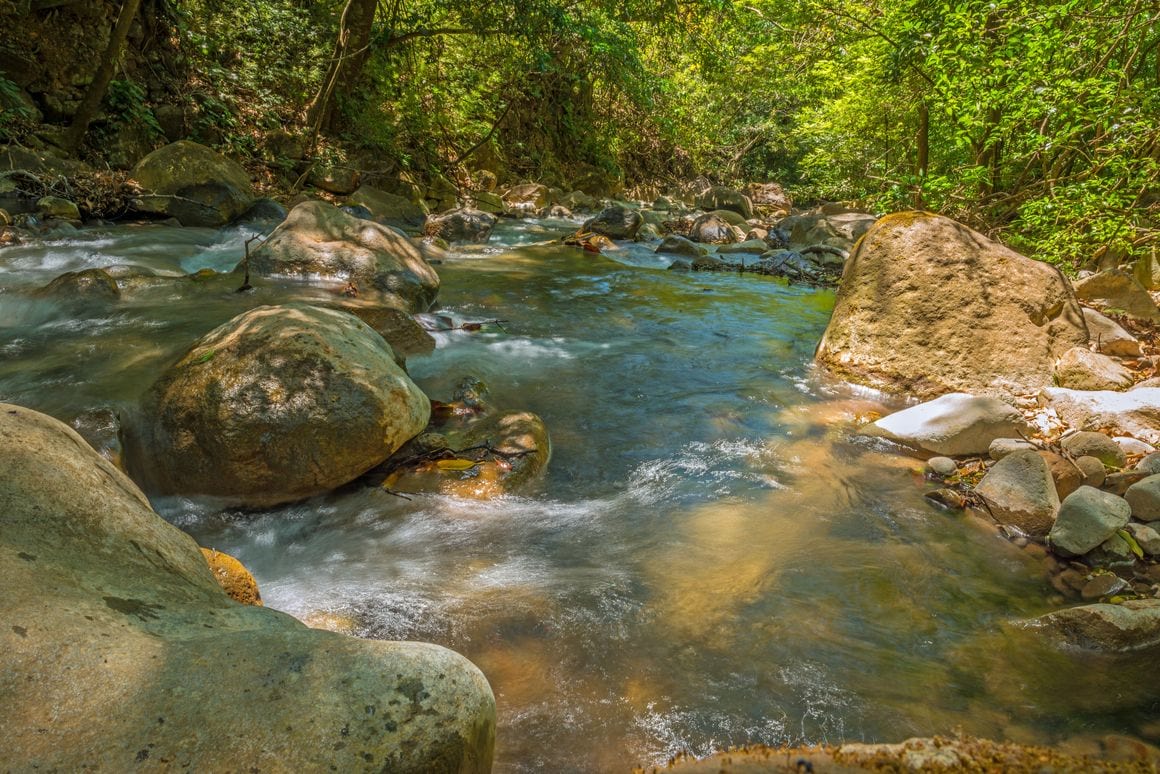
14, 114
125, 103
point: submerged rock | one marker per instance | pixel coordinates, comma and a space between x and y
192, 183
1130, 625
278, 404
84, 285
471, 449
955, 425
318, 240
928, 306
140, 660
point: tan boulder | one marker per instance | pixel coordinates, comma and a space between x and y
318, 240
278, 404
1108, 336
1081, 369
1118, 289
928, 306
120, 652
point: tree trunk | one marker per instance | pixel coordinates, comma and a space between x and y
91, 104
351, 49
923, 143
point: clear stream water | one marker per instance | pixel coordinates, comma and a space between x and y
712, 558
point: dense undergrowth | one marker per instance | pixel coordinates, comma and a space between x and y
1036, 120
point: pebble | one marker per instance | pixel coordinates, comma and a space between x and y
943, 467
1102, 586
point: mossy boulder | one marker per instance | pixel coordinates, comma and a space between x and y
928, 306
192, 183
278, 404
320, 242
390, 209
122, 652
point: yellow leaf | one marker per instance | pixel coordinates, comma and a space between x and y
456, 464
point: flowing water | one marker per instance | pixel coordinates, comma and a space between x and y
712, 558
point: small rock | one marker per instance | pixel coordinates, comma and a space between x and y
675, 244
952, 425
752, 246
1108, 336
1064, 473
943, 467
1001, 447
1144, 498
1081, 369
1098, 445
1020, 491
947, 498
233, 577
1150, 464
1119, 483
1113, 551
1086, 519
1103, 585
1093, 471
1146, 536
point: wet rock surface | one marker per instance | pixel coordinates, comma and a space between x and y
140, 659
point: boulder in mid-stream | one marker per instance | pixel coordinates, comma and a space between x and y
954, 424
279, 404
120, 652
710, 229
319, 241
388, 208
192, 183
928, 306
615, 222
461, 225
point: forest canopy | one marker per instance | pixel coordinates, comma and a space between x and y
1035, 120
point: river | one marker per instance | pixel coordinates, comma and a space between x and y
713, 557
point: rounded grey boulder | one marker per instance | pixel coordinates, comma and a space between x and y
1019, 490
278, 404
120, 652
1087, 517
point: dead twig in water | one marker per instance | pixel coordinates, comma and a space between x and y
246, 286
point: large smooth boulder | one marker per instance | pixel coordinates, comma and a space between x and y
827, 225
1087, 518
954, 424
318, 240
928, 306
120, 652
278, 404
1130, 625
1135, 412
1020, 490
722, 198
615, 222
461, 225
1081, 369
192, 183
